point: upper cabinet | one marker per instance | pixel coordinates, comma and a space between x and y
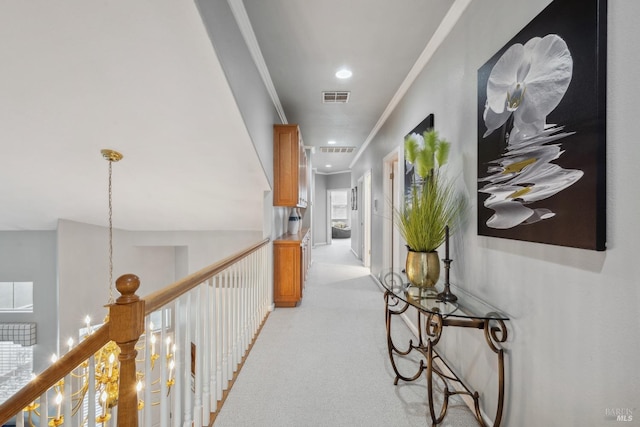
290, 167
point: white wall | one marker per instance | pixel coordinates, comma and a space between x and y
253, 99
338, 180
30, 256
573, 338
319, 228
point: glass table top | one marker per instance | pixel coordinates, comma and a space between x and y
427, 300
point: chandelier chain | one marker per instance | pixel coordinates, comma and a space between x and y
111, 301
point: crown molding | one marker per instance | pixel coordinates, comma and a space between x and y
441, 33
241, 17
317, 172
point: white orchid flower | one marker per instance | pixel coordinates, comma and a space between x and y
526, 174
527, 82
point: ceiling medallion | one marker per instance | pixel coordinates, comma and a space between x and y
111, 155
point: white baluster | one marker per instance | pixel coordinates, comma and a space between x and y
219, 335
250, 314
264, 285
91, 393
213, 347
238, 342
242, 309
242, 278
205, 350
249, 284
163, 351
260, 288
44, 409
240, 305
67, 400
254, 294
232, 322
178, 357
229, 329
248, 277
148, 374
187, 363
247, 291
224, 328
20, 419
197, 402
259, 285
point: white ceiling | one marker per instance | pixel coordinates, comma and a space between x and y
136, 76
141, 77
305, 42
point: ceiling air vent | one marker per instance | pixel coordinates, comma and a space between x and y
334, 97
341, 150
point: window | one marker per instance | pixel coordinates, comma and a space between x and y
16, 297
339, 206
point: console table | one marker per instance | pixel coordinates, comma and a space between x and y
434, 315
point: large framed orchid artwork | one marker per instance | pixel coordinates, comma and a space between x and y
541, 130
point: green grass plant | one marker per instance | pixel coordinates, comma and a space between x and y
433, 202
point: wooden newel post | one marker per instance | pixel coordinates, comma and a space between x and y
126, 324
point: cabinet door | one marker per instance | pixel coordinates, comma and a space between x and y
287, 268
286, 152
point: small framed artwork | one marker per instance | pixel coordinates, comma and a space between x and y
542, 130
353, 199
423, 126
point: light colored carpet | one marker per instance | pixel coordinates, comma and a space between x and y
325, 362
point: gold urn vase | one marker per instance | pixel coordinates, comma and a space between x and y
423, 268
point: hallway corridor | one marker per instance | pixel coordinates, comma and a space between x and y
325, 362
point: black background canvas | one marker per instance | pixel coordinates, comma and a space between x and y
580, 209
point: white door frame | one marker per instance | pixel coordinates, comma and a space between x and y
392, 193
329, 237
360, 216
367, 219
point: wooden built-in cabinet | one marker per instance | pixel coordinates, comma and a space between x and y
291, 253
291, 260
290, 167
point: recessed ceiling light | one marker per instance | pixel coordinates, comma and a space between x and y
344, 73
327, 166
332, 142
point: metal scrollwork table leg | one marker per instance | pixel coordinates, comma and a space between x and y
495, 333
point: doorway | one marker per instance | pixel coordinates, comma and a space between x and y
339, 216
364, 217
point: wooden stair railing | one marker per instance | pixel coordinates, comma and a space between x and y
124, 326
162, 297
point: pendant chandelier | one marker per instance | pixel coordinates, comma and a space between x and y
106, 371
